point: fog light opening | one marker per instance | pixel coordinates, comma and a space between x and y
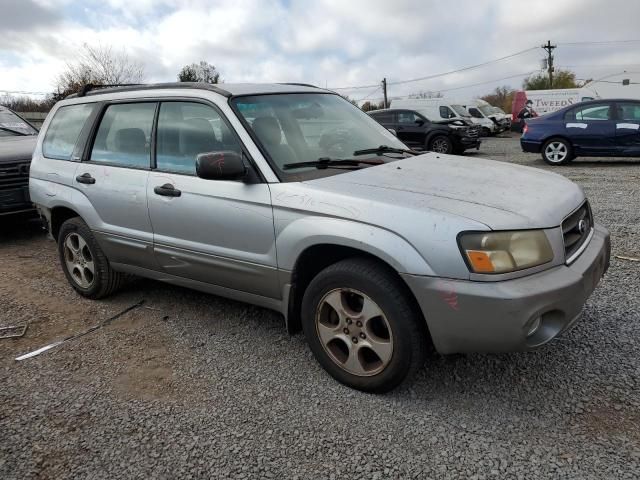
535, 325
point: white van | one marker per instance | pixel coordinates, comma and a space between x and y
548, 101
436, 109
481, 109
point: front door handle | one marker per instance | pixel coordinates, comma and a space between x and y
167, 190
86, 178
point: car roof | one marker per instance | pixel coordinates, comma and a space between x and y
225, 89
383, 110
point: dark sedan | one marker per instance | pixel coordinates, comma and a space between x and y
17, 142
597, 128
418, 132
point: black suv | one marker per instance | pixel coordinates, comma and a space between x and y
17, 142
418, 132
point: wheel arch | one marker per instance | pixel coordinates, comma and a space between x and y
436, 133
315, 258
572, 149
57, 216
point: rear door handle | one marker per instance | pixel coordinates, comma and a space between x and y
86, 178
167, 190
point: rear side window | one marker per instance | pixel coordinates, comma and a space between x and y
186, 129
124, 135
386, 117
592, 112
64, 130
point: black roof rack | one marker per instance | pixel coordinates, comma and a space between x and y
91, 89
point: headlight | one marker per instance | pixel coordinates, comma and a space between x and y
501, 252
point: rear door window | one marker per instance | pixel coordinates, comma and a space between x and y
406, 118
124, 135
64, 130
186, 129
629, 112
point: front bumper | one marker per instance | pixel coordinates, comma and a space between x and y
15, 200
469, 142
468, 316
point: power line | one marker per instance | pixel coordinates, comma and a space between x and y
604, 42
429, 77
471, 67
439, 90
369, 95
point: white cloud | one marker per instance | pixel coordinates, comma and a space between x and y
333, 42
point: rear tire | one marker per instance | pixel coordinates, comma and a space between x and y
440, 144
362, 325
557, 151
84, 263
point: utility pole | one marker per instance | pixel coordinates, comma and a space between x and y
549, 48
384, 91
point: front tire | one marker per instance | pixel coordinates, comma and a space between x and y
84, 263
440, 144
557, 151
362, 326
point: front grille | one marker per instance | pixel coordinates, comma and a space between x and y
14, 175
576, 229
473, 131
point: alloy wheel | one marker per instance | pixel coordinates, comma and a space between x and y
79, 260
354, 332
556, 152
440, 145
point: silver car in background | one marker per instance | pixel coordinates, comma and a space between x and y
289, 197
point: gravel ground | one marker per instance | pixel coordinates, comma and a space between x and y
203, 387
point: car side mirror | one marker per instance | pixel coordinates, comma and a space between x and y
395, 134
419, 122
224, 165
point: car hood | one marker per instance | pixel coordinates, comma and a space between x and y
17, 148
497, 194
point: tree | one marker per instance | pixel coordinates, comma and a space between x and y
350, 100
501, 97
27, 104
199, 72
561, 79
369, 106
427, 94
99, 65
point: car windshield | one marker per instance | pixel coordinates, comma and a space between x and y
12, 125
460, 110
475, 113
305, 127
487, 110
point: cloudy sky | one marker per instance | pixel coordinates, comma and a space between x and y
333, 43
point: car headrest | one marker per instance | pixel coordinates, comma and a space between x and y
130, 140
197, 136
268, 130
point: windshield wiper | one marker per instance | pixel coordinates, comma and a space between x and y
13, 131
384, 149
325, 162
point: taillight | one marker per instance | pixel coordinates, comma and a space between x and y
525, 129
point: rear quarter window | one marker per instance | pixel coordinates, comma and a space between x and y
64, 130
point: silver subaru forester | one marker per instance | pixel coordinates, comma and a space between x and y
289, 197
